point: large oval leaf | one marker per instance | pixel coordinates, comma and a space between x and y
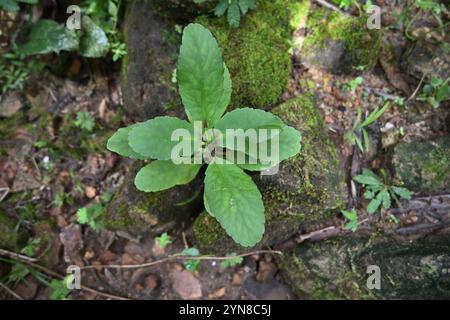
200, 75
94, 42
234, 200
161, 175
152, 138
118, 143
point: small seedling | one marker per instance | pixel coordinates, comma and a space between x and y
352, 217
60, 290
163, 240
436, 92
379, 192
194, 264
353, 84
235, 9
85, 121
232, 261
91, 216
31, 247
352, 136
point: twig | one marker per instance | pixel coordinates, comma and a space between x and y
5, 193
418, 87
14, 255
29, 261
15, 295
177, 257
328, 5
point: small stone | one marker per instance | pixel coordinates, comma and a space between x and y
107, 256
62, 223
89, 254
237, 280
219, 293
90, 192
186, 285
10, 104
266, 272
151, 282
129, 260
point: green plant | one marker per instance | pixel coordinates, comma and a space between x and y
85, 121
359, 127
91, 216
425, 6
233, 261
230, 195
163, 240
13, 5
352, 217
435, 92
235, 9
14, 70
31, 247
352, 84
194, 264
60, 290
380, 192
61, 198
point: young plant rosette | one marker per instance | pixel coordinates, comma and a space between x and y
229, 144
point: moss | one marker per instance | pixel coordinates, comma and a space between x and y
362, 44
8, 235
308, 188
257, 53
424, 166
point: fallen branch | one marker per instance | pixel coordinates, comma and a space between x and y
5, 193
15, 295
177, 257
30, 261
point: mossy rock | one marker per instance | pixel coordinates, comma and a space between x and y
340, 44
152, 45
424, 167
140, 213
337, 269
258, 52
8, 234
308, 189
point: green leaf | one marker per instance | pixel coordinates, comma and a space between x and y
93, 42
352, 225
373, 205
118, 143
85, 121
152, 138
234, 15
233, 199
164, 240
9, 5
443, 93
161, 175
350, 215
245, 5
246, 119
367, 178
28, 1
385, 198
233, 261
366, 140
190, 252
375, 115
289, 146
49, 36
221, 8
200, 75
402, 192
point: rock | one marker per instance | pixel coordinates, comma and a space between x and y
237, 280
186, 285
272, 290
8, 235
266, 271
337, 269
309, 189
25, 180
147, 69
10, 104
257, 53
151, 282
425, 57
141, 213
424, 166
338, 43
72, 241
90, 192
219, 293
